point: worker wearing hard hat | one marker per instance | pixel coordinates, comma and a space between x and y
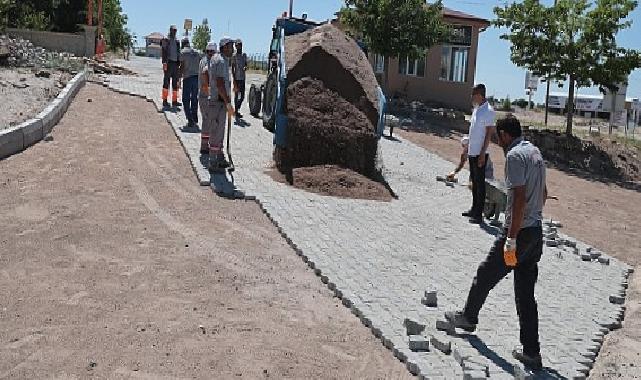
189, 69
170, 62
203, 97
220, 101
239, 69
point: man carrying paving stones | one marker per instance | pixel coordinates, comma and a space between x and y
519, 247
481, 132
203, 96
219, 102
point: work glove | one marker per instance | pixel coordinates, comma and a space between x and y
164, 67
230, 110
509, 253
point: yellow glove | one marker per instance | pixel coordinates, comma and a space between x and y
509, 253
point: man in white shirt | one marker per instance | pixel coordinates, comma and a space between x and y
481, 131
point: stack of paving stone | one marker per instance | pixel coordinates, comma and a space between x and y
566, 244
25, 54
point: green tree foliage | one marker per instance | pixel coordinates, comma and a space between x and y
394, 28
202, 35
115, 21
574, 40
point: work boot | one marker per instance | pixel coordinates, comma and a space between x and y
476, 219
458, 320
165, 104
534, 362
175, 104
467, 213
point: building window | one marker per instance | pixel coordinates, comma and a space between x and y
411, 67
379, 64
454, 61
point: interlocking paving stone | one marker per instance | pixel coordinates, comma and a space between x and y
380, 256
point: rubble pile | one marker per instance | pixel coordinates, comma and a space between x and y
23, 53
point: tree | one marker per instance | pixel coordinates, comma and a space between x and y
574, 40
395, 28
5, 5
202, 35
115, 22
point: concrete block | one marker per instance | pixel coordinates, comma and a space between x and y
595, 254
522, 373
412, 368
586, 257
11, 141
32, 132
441, 343
604, 260
412, 327
617, 300
461, 354
430, 299
418, 343
474, 375
570, 243
445, 326
551, 243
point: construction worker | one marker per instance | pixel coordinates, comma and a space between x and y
220, 102
170, 62
203, 97
519, 247
189, 69
239, 69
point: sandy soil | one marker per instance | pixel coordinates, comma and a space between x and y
339, 182
24, 95
114, 264
602, 214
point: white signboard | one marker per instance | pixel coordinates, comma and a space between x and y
531, 81
587, 104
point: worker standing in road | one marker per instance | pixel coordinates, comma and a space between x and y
220, 102
519, 247
170, 62
203, 97
189, 69
481, 132
239, 71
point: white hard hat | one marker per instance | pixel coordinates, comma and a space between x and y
211, 47
465, 141
224, 41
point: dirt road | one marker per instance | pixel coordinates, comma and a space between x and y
604, 215
114, 263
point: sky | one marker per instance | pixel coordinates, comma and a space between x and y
251, 20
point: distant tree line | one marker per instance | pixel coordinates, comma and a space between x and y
65, 16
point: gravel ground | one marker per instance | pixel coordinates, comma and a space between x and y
114, 263
601, 214
24, 95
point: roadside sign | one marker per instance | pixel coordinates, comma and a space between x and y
531, 81
188, 24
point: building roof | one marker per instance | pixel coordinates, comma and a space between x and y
155, 35
448, 12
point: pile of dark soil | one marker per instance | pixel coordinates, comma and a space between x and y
339, 182
325, 129
602, 158
332, 104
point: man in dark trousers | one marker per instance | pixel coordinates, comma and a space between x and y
520, 245
189, 69
239, 73
170, 64
481, 132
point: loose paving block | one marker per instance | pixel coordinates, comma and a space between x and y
445, 326
441, 343
474, 375
617, 300
522, 373
412, 327
461, 354
418, 343
586, 257
551, 243
430, 299
595, 254
604, 260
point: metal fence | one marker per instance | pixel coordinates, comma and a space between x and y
258, 62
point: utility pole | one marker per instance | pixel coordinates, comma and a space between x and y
291, 8
547, 93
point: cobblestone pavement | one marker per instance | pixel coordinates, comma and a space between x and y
380, 257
